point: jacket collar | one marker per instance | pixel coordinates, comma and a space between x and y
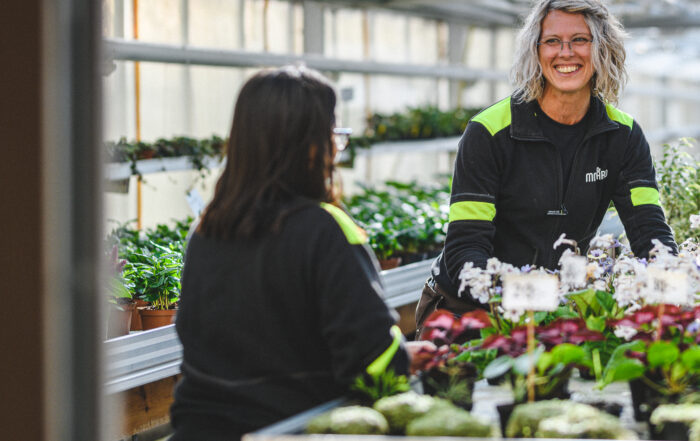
524, 125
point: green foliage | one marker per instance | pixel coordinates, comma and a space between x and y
679, 187
128, 239
480, 358
372, 388
196, 150
418, 123
403, 217
154, 273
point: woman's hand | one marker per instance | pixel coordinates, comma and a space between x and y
413, 347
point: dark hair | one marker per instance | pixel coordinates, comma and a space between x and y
279, 150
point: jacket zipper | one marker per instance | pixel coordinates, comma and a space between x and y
563, 211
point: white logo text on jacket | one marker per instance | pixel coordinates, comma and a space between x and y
597, 175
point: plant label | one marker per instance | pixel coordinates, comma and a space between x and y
573, 271
533, 292
667, 287
195, 201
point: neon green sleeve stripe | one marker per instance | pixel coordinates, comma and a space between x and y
354, 234
619, 116
645, 196
472, 210
496, 117
380, 364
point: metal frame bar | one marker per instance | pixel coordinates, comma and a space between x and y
72, 227
163, 53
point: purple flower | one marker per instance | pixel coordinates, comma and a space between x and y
525, 269
596, 253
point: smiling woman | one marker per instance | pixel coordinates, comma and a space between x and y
549, 159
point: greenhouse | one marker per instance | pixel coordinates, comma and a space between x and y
333, 219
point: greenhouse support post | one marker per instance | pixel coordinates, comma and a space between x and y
137, 113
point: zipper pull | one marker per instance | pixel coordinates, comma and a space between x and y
561, 212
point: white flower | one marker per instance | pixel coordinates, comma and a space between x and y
594, 271
600, 285
694, 221
480, 287
507, 268
564, 241
628, 265
629, 289
512, 315
493, 266
626, 332
689, 246
477, 280
604, 242
659, 248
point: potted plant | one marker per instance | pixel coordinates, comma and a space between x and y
156, 278
661, 361
448, 371
673, 421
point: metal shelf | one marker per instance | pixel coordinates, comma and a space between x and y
144, 357
122, 170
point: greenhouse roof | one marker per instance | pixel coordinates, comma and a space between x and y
633, 13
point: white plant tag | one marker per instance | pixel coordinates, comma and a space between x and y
530, 292
573, 271
667, 287
195, 201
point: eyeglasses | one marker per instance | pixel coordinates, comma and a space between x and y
553, 44
341, 136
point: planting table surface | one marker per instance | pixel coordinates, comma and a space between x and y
485, 398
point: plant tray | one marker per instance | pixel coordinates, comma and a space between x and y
486, 398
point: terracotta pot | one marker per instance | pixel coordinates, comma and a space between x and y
155, 318
136, 316
119, 319
390, 263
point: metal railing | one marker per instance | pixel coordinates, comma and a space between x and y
144, 357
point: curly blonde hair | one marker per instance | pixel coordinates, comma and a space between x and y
608, 50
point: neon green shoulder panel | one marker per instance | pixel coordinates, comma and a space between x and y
354, 234
496, 117
619, 116
379, 365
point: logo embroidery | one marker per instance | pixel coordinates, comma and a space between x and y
597, 175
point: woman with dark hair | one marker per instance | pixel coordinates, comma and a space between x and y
281, 302
549, 159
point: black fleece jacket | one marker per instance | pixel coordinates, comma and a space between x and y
507, 192
275, 325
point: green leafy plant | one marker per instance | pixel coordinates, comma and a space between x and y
669, 362
371, 388
155, 274
403, 218
196, 150
679, 186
